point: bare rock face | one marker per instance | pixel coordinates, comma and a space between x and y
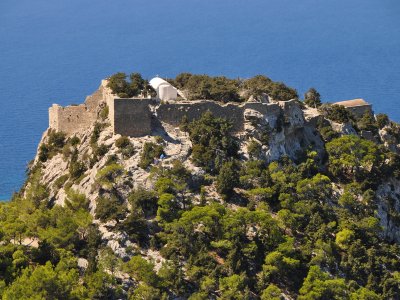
388, 200
293, 115
282, 129
255, 122
343, 128
288, 131
389, 140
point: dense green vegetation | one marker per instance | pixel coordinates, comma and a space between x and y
336, 113
238, 229
133, 87
218, 88
54, 145
212, 142
125, 146
223, 89
260, 85
150, 152
205, 87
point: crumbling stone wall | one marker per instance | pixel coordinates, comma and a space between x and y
70, 119
139, 117
74, 118
173, 113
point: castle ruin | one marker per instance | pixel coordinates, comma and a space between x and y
137, 117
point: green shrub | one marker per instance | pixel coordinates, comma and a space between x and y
367, 122
60, 181
205, 87
110, 208
73, 141
104, 112
281, 92
122, 142
132, 88
118, 84
212, 142
351, 157
107, 176
100, 150
125, 146
382, 120
141, 269
149, 152
257, 86
98, 127
260, 84
336, 113
326, 131
54, 145
36, 191
182, 79
44, 152
143, 200
312, 98
111, 159
76, 201
76, 169
253, 173
56, 139
254, 149
66, 150
227, 179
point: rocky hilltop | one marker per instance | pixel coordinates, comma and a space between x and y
300, 200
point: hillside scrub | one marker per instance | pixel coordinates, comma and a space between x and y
133, 87
54, 145
223, 89
285, 236
150, 152
336, 113
213, 143
203, 214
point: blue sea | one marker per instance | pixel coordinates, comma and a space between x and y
57, 51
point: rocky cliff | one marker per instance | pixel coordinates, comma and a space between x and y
291, 130
99, 164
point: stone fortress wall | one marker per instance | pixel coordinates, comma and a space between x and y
173, 113
137, 117
70, 119
132, 117
74, 118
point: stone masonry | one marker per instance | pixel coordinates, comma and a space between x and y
140, 117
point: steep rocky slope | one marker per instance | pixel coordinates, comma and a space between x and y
78, 163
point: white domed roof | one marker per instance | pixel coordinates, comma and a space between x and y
156, 82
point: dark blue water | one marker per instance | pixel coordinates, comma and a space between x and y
57, 51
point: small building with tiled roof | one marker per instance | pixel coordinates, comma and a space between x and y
358, 107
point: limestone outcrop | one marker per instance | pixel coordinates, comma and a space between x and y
388, 211
287, 127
